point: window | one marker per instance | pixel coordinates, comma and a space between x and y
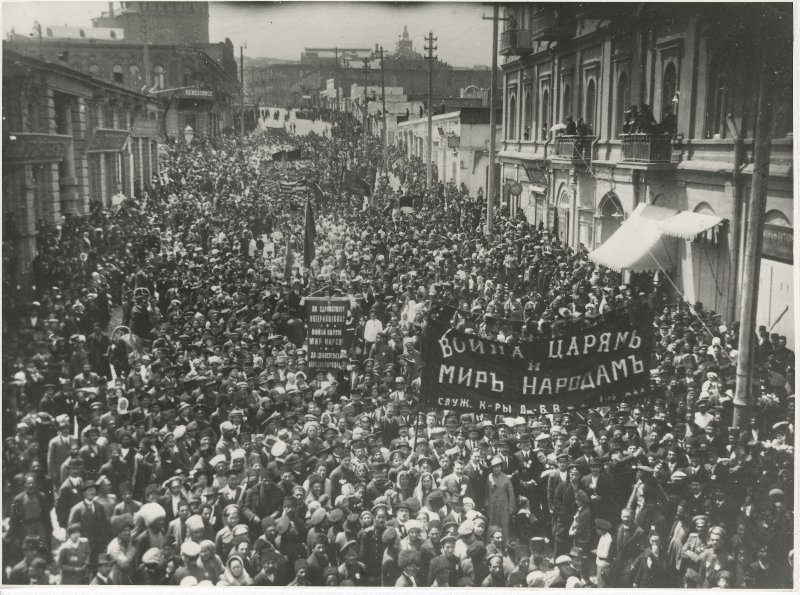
590, 104
159, 76
668, 89
566, 105
133, 72
94, 70
622, 102
113, 34
716, 106
511, 131
544, 117
116, 73
527, 115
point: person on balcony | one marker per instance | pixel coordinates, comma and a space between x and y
584, 129
631, 122
669, 123
646, 120
572, 129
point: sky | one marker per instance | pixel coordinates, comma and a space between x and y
283, 29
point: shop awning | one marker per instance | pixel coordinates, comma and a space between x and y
687, 225
639, 245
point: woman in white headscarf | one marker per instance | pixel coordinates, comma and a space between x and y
235, 574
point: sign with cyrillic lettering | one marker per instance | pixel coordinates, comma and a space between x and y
326, 322
585, 367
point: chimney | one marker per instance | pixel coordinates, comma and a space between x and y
111, 9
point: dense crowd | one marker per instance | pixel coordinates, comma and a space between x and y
192, 444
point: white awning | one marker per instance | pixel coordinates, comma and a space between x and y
688, 225
639, 245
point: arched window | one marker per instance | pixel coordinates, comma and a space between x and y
716, 105
775, 217
610, 219
566, 105
544, 117
116, 73
704, 209
133, 72
669, 87
590, 104
527, 115
94, 70
512, 117
622, 102
159, 76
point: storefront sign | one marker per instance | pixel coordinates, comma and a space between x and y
778, 242
197, 94
144, 128
32, 147
586, 367
326, 321
106, 140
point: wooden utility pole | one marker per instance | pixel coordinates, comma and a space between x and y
751, 266
385, 134
253, 90
241, 115
430, 58
491, 182
336, 80
364, 119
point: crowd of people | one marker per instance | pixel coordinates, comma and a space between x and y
162, 424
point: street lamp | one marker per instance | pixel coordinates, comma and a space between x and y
188, 135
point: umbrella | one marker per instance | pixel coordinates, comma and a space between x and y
558, 127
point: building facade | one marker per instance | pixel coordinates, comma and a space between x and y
198, 82
696, 70
460, 145
69, 140
167, 23
287, 84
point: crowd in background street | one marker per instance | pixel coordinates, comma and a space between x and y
162, 425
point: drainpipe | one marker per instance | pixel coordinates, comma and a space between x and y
731, 311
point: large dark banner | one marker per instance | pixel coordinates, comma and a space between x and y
326, 321
587, 367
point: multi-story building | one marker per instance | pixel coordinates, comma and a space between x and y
69, 139
575, 155
200, 92
161, 48
283, 83
460, 145
165, 23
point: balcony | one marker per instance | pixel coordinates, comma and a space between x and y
573, 149
551, 24
515, 42
647, 149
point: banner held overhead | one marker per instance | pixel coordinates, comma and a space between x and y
587, 367
326, 322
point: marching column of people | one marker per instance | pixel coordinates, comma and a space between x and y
194, 444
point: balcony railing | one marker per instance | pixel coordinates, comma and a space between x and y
549, 24
648, 148
515, 42
578, 148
